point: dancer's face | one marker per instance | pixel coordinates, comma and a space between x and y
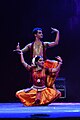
39, 34
40, 62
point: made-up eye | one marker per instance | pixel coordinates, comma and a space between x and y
39, 32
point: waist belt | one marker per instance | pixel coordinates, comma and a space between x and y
39, 88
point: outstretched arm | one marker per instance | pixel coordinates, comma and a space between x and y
51, 44
25, 49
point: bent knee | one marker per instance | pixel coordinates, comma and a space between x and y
19, 92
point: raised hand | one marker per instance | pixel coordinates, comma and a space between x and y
18, 46
54, 30
18, 49
59, 58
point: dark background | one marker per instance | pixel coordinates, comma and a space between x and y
17, 20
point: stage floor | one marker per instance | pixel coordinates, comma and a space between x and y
53, 110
